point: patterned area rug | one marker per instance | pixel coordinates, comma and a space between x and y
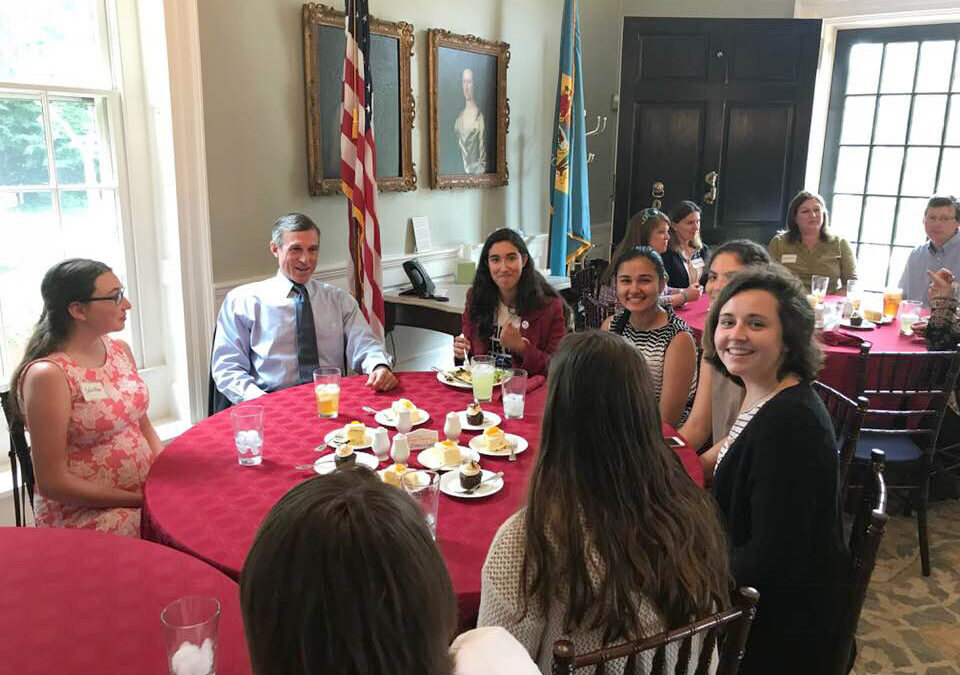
911, 623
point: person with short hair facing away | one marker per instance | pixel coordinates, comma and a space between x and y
776, 475
79, 394
650, 227
718, 399
614, 542
686, 255
664, 339
344, 577
807, 247
512, 312
940, 251
272, 334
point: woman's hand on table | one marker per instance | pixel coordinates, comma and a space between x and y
919, 328
382, 379
461, 347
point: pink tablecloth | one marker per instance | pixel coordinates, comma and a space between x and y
199, 500
76, 601
840, 367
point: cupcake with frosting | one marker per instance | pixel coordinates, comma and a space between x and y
474, 414
344, 457
470, 473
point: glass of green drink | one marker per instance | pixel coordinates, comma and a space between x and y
481, 372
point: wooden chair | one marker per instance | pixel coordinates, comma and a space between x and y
732, 625
847, 417
908, 393
868, 527
20, 463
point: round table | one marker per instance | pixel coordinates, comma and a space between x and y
78, 601
199, 500
840, 367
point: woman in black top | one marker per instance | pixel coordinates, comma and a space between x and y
686, 255
776, 476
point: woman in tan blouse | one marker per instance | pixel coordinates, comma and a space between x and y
615, 541
807, 248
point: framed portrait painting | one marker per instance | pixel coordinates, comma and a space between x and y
391, 48
468, 111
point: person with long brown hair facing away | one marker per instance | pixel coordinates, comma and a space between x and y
663, 338
776, 475
85, 405
614, 541
344, 577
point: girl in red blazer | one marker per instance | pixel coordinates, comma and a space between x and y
512, 312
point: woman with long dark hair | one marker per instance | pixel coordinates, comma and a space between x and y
79, 394
614, 541
807, 246
344, 577
664, 339
686, 255
776, 474
512, 312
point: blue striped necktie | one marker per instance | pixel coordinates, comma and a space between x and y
307, 358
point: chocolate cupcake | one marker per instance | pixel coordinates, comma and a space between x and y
474, 414
470, 474
344, 457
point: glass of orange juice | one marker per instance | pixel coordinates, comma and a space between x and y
326, 385
891, 301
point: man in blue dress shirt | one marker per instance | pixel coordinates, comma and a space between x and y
940, 251
272, 333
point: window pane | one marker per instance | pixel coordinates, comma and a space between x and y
23, 147
851, 169
899, 66
936, 59
20, 306
27, 218
878, 219
885, 165
953, 127
872, 265
898, 260
910, 222
949, 183
91, 226
892, 120
920, 171
926, 127
864, 70
53, 42
845, 216
858, 119
81, 152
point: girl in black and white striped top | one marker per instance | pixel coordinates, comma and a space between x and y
665, 341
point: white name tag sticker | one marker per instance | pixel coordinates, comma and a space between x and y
93, 391
787, 258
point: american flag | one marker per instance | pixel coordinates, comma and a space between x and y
358, 163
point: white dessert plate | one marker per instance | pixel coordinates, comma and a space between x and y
326, 465
479, 443
432, 459
388, 418
490, 419
866, 325
450, 485
339, 437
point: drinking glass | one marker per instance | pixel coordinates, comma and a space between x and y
891, 301
853, 293
424, 487
482, 371
326, 385
832, 311
514, 393
819, 285
190, 627
909, 315
247, 423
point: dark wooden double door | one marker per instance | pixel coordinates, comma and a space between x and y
728, 96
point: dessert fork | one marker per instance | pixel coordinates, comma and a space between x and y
470, 491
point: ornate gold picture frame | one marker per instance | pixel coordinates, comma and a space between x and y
391, 47
468, 110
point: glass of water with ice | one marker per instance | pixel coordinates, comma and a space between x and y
247, 422
514, 393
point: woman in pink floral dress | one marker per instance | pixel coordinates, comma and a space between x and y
85, 404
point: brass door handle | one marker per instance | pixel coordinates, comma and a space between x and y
657, 193
711, 179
